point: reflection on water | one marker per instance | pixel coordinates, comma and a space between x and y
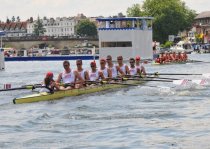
165, 116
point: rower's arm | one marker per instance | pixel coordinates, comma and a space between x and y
143, 71
138, 71
87, 77
101, 75
78, 77
59, 78
127, 70
121, 72
109, 73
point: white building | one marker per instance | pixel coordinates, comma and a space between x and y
128, 37
14, 29
56, 27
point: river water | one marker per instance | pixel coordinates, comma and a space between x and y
166, 116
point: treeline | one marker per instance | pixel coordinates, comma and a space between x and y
170, 16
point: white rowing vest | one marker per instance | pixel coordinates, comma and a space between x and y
114, 71
139, 66
94, 75
82, 74
105, 72
133, 71
68, 77
123, 68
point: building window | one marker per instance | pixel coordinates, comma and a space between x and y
117, 44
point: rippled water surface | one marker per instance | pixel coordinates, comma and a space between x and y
166, 116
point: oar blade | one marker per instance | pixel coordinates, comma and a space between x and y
206, 75
181, 82
202, 82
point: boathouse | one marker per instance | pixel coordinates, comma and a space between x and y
127, 36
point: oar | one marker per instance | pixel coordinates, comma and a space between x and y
145, 77
140, 79
186, 81
196, 61
22, 87
163, 78
107, 82
184, 74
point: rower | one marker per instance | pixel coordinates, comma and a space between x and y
180, 59
122, 66
140, 66
157, 60
162, 58
185, 56
49, 84
94, 74
133, 69
106, 71
114, 69
83, 73
68, 76
171, 57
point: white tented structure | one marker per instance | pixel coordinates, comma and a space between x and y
127, 36
2, 64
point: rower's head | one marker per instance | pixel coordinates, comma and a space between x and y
132, 62
102, 63
138, 58
120, 59
79, 63
66, 65
93, 65
49, 75
109, 59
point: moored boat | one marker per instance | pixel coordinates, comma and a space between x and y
44, 96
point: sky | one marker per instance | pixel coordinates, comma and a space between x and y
91, 8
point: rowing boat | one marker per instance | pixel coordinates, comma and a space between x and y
45, 96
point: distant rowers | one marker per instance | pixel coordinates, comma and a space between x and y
114, 69
106, 71
83, 73
133, 69
70, 78
122, 66
94, 73
140, 66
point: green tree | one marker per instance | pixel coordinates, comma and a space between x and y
170, 17
86, 28
134, 11
38, 27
